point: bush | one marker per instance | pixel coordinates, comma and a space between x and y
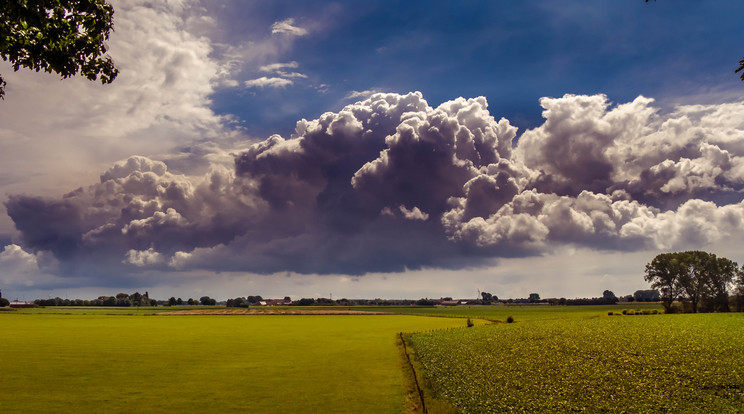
610, 313
509, 319
470, 323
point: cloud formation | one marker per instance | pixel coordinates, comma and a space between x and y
287, 27
390, 183
264, 82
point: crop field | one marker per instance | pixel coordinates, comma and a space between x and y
129, 363
637, 364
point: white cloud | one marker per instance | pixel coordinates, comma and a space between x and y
57, 133
266, 82
278, 66
141, 258
391, 184
287, 27
362, 94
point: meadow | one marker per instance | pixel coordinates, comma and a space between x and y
101, 363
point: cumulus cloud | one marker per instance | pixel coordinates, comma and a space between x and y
159, 102
19, 268
391, 183
287, 27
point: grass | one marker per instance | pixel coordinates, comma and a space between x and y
111, 364
635, 364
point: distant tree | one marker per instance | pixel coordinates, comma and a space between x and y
172, 301
207, 301
4, 302
534, 297
695, 277
649, 295
609, 296
488, 298
718, 283
179, 301
238, 303
191, 301
66, 37
664, 273
254, 299
306, 302
699, 267
739, 290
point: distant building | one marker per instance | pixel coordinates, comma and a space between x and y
21, 304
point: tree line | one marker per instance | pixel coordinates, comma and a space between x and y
698, 281
120, 300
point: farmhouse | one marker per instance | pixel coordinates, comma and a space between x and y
21, 304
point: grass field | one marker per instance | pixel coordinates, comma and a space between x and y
634, 364
112, 364
553, 359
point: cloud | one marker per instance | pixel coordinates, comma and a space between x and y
19, 268
391, 183
362, 94
278, 66
265, 82
287, 27
56, 134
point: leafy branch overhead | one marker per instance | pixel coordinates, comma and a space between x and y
61, 36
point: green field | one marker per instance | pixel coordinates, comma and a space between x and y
112, 364
552, 359
634, 364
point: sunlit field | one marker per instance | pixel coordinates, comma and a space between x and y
551, 359
635, 364
298, 363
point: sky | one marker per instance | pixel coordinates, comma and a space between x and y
377, 149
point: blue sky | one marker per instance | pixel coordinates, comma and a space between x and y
393, 174
510, 52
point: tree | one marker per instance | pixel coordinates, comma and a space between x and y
609, 297
4, 302
716, 286
699, 267
66, 37
534, 297
649, 295
172, 301
663, 273
693, 276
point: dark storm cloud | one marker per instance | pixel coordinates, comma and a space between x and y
390, 183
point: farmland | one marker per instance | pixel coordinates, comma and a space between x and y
122, 363
652, 363
552, 359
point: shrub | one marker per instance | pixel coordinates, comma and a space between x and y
470, 323
610, 313
509, 319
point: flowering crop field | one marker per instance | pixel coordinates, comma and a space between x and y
633, 364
